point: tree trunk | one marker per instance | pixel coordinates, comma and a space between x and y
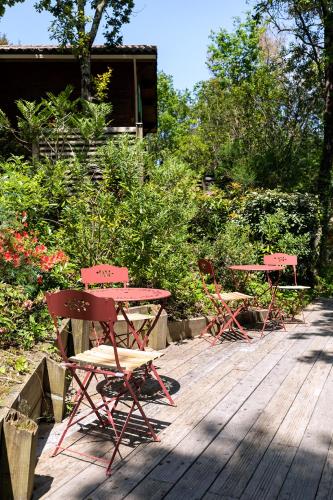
325, 170
85, 67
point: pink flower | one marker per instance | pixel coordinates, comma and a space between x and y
40, 249
7, 256
28, 304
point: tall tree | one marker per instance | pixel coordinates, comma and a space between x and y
173, 117
252, 122
311, 47
76, 24
7, 3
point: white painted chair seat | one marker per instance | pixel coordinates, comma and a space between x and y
229, 296
293, 287
103, 357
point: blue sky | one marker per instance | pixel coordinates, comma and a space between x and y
179, 28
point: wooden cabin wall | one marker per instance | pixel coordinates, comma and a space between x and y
31, 79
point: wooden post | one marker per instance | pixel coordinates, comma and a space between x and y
55, 386
139, 130
80, 333
18, 456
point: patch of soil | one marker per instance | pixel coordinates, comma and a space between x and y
16, 364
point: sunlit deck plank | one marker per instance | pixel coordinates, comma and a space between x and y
236, 402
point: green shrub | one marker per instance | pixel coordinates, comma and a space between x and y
23, 321
285, 222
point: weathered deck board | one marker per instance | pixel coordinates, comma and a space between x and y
201, 440
273, 469
186, 399
305, 473
252, 421
274, 395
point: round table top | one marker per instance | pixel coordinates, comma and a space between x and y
131, 294
257, 267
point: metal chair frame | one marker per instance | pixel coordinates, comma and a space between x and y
287, 260
106, 274
225, 317
109, 361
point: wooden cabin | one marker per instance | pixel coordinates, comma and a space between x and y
28, 72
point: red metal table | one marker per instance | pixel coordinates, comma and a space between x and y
123, 296
267, 269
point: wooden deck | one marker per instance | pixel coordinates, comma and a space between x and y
252, 421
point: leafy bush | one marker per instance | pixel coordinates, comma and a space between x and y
23, 321
129, 222
285, 222
54, 120
211, 215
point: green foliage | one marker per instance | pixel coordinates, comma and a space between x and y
125, 163
7, 3
233, 245
283, 222
57, 119
101, 84
129, 222
211, 215
300, 211
234, 57
174, 119
22, 321
73, 25
250, 123
87, 226
153, 232
76, 24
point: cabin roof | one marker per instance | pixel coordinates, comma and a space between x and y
96, 49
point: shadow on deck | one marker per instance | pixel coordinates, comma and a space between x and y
252, 421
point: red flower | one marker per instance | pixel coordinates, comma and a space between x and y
40, 249
16, 260
39, 279
7, 256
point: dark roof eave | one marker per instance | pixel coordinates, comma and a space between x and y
96, 50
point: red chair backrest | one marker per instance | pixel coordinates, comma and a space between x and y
77, 304
280, 258
104, 273
206, 267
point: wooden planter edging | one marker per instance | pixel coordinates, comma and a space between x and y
18, 456
190, 328
42, 395
81, 330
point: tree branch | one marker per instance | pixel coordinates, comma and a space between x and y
310, 42
100, 8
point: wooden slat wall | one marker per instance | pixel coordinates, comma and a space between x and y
32, 79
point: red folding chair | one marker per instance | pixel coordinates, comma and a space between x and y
287, 260
225, 318
127, 367
106, 274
